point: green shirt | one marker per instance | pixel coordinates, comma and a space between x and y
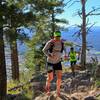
72, 56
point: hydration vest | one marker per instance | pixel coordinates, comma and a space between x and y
52, 45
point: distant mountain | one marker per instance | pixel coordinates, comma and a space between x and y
93, 38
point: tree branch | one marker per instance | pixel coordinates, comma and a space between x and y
73, 2
88, 29
92, 12
77, 34
80, 13
68, 2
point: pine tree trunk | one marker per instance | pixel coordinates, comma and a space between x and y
3, 76
83, 54
53, 22
14, 60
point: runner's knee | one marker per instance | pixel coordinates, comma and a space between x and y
50, 77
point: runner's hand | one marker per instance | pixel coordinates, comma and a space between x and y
50, 55
65, 57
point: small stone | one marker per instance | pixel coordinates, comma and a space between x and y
89, 98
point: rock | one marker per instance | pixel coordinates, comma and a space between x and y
82, 88
85, 83
74, 98
77, 67
74, 83
97, 72
89, 66
53, 96
78, 95
41, 98
89, 98
11, 96
16, 97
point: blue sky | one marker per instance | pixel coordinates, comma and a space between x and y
69, 13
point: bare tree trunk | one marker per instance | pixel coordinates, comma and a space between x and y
53, 21
3, 76
83, 54
14, 60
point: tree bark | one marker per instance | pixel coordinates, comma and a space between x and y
53, 22
14, 60
3, 76
83, 54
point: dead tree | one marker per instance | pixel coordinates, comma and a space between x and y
84, 28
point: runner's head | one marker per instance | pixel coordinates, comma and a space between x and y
71, 49
57, 35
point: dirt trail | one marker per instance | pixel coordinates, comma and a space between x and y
79, 88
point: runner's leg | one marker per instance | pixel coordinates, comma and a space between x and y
72, 68
59, 79
49, 79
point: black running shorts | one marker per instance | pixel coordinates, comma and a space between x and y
53, 67
72, 63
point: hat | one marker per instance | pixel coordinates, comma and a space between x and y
57, 34
71, 48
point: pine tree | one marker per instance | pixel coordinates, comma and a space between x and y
45, 25
3, 76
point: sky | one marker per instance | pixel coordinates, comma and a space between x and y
70, 12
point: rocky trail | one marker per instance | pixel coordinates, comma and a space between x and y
81, 87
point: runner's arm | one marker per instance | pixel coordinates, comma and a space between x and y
46, 48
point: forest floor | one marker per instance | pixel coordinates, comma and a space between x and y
81, 87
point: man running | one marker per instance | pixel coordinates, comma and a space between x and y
73, 59
53, 50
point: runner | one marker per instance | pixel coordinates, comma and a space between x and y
73, 59
53, 50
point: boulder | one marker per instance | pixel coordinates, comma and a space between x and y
97, 71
